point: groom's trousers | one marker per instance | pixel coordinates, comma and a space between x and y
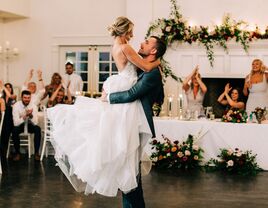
134, 198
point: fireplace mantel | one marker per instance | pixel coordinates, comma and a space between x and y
234, 64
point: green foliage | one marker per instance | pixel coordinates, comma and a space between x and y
235, 162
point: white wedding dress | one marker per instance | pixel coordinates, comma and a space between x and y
98, 145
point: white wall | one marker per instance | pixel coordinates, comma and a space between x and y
50, 20
78, 22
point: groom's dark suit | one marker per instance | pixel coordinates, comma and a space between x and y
148, 89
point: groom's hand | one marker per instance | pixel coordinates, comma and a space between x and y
104, 96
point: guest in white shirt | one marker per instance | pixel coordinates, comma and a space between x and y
36, 95
25, 111
75, 81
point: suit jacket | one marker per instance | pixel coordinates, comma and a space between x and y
148, 89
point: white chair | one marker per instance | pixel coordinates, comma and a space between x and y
25, 141
1, 125
47, 134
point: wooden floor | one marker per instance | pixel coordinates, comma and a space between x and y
32, 184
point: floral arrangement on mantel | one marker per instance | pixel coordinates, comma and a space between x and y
235, 116
175, 28
235, 162
259, 114
176, 155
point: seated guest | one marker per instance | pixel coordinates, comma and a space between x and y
195, 90
36, 95
233, 101
58, 97
56, 80
25, 111
256, 86
9, 98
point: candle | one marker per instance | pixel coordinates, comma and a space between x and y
170, 99
180, 101
7, 44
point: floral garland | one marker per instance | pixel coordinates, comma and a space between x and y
235, 162
177, 29
175, 155
235, 116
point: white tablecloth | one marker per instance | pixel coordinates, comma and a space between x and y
216, 135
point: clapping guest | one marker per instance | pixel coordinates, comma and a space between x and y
58, 97
233, 100
25, 112
36, 95
256, 86
56, 80
195, 89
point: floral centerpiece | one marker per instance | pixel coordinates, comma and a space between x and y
235, 116
260, 114
176, 155
236, 162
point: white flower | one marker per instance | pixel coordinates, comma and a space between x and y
168, 154
187, 153
195, 147
196, 157
230, 163
230, 152
238, 154
168, 28
180, 154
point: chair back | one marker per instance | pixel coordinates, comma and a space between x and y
47, 125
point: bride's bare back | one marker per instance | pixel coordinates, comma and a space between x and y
119, 57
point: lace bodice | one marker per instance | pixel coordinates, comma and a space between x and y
129, 71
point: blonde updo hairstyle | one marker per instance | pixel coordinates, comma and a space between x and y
121, 26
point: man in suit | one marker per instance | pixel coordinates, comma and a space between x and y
149, 89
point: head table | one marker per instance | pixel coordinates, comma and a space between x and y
214, 134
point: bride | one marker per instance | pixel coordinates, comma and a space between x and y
97, 144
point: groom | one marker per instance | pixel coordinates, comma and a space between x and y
149, 89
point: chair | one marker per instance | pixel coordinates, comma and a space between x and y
25, 141
1, 125
47, 134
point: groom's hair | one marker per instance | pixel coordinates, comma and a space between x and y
160, 47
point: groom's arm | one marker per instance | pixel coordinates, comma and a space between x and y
148, 82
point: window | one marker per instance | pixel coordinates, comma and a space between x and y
93, 63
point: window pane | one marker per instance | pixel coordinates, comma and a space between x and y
103, 77
114, 68
104, 67
82, 56
104, 56
70, 57
83, 76
81, 67
100, 87
85, 87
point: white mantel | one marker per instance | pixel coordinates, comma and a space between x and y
183, 57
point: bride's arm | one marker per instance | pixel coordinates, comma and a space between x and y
134, 58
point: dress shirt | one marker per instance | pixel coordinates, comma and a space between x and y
19, 110
76, 83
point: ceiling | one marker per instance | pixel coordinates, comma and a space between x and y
8, 17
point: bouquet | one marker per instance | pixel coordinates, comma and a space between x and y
260, 114
235, 116
236, 162
175, 155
